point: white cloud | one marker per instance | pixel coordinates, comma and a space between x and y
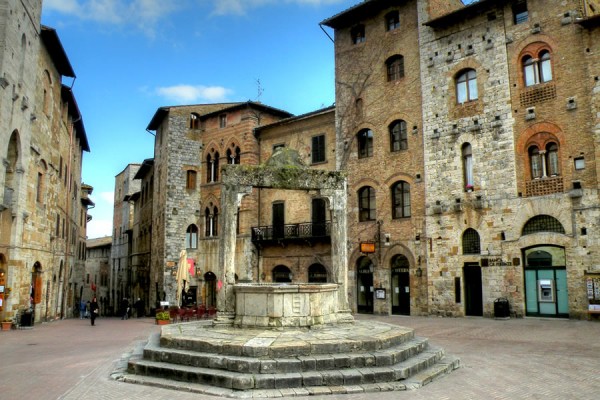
108, 197
99, 228
239, 7
190, 94
117, 12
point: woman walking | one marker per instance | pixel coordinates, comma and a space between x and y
94, 309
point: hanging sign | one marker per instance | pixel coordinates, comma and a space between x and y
367, 247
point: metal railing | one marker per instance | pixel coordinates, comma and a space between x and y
304, 230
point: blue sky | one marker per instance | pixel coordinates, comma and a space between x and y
134, 56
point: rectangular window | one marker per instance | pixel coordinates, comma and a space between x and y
520, 12
222, 121
39, 188
579, 163
191, 180
318, 149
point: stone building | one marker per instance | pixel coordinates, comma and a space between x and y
191, 144
97, 272
468, 135
502, 98
126, 186
43, 213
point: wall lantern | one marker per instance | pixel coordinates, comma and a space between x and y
419, 272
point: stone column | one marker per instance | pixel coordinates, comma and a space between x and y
339, 249
231, 197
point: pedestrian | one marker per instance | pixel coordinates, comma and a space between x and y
87, 310
94, 310
139, 307
82, 305
125, 308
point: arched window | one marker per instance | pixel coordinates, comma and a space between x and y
212, 167
400, 200
399, 261
317, 274
466, 86
470, 242
535, 161
552, 159
358, 34
392, 20
211, 219
233, 155
282, 274
366, 204
544, 163
542, 223
398, 137
191, 237
537, 70
467, 161
365, 143
395, 68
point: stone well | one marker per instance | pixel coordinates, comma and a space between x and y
285, 305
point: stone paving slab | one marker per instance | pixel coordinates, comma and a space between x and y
529, 358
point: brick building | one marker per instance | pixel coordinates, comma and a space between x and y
43, 212
468, 135
503, 195
97, 272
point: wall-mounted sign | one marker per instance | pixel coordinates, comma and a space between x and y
380, 293
495, 262
367, 247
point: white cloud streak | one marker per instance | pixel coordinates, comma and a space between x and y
240, 7
190, 94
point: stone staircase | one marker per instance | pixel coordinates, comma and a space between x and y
364, 357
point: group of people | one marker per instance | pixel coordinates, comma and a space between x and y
91, 309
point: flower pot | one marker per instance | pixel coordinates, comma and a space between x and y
162, 322
6, 326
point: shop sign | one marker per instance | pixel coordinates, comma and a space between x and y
367, 247
495, 262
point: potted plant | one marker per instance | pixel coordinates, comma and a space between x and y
6, 324
163, 318
469, 188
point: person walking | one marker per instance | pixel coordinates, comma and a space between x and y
94, 310
125, 308
82, 305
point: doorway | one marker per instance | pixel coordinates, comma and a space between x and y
278, 220
318, 218
473, 290
400, 285
546, 293
210, 289
364, 283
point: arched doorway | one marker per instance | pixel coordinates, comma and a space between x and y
317, 274
282, 274
210, 289
400, 285
546, 293
364, 285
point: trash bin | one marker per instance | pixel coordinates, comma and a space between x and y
27, 318
501, 308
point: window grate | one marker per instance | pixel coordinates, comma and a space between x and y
471, 243
537, 95
543, 223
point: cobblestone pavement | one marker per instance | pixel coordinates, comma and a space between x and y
501, 359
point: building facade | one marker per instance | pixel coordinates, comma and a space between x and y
42, 138
97, 272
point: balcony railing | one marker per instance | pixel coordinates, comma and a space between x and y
544, 186
304, 230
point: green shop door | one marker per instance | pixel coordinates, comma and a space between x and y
546, 293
